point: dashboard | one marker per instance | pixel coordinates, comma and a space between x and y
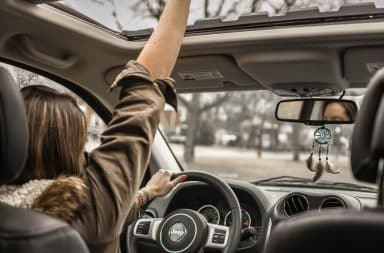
212, 206
262, 206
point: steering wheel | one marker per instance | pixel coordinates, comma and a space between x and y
186, 230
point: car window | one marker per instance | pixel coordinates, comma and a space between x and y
235, 135
96, 125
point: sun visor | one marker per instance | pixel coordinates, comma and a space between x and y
295, 72
212, 72
362, 63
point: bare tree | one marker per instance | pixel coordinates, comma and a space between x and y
196, 107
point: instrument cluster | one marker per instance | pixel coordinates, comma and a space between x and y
214, 216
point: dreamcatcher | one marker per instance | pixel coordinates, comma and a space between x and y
322, 138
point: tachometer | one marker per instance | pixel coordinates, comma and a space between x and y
246, 219
211, 213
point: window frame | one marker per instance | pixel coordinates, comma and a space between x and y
99, 108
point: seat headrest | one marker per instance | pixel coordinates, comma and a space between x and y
368, 135
332, 231
22, 230
13, 129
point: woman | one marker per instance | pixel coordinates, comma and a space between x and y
339, 111
55, 150
108, 185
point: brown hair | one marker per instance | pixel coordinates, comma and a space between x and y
57, 134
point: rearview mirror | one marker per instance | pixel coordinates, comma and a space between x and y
317, 111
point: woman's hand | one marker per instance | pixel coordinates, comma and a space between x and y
161, 184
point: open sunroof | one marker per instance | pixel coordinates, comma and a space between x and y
136, 18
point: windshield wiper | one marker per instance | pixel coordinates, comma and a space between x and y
298, 181
283, 179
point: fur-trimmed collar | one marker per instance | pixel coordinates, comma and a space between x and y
63, 198
24, 195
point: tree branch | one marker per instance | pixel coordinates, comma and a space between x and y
114, 14
220, 8
214, 104
254, 5
206, 7
233, 9
185, 102
152, 11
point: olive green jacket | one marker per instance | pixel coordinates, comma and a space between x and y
116, 168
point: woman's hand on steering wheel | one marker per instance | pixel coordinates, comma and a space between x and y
161, 183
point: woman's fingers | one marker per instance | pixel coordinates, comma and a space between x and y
178, 180
165, 172
161, 184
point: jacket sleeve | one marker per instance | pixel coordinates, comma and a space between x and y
116, 168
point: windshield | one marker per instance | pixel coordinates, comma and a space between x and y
135, 15
235, 135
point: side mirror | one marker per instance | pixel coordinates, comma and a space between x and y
317, 111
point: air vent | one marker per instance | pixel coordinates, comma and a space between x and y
151, 213
332, 202
295, 204
148, 213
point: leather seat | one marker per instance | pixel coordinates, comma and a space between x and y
345, 230
23, 230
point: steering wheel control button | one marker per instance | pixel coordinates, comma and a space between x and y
143, 227
182, 231
177, 232
219, 236
220, 231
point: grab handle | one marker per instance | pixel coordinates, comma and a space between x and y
30, 51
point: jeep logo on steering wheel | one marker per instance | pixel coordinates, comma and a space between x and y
177, 232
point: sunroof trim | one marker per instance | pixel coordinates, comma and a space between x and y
67, 9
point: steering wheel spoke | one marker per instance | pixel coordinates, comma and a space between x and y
218, 236
147, 228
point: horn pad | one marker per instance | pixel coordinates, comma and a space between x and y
183, 230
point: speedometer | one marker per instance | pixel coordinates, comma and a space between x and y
246, 219
211, 214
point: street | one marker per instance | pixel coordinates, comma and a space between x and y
235, 163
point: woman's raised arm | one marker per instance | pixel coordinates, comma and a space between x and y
116, 168
160, 53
